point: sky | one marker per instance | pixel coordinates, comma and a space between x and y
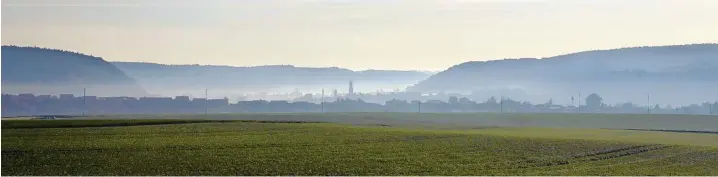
368, 34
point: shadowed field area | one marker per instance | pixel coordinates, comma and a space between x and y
16, 124
78, 123
264, 148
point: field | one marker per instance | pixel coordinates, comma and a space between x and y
453, 120
207, 146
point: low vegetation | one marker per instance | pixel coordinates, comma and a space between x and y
198, 147
91, 123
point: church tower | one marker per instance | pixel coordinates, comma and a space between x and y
351, 88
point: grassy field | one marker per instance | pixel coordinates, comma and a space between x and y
202, 147
605, 121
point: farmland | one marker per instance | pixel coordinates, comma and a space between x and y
454, 120
359, 144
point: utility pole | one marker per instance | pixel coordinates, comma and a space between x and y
322, 100
206, 98
84, 101
419, 106
648, 104
579, 102
501, 103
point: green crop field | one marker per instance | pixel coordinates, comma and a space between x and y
592, 121
211, 147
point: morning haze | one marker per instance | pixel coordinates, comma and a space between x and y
400, 35
359, 88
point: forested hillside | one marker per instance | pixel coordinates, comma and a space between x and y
46, 71
635, 72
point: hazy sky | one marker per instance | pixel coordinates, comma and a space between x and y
380, 34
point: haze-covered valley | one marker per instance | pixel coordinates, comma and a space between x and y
666, 75
231, 81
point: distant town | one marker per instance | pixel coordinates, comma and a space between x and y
68, 104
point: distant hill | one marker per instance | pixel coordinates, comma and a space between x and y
281, 78
45, 71
677, 70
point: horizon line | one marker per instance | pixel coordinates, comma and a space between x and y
433, 71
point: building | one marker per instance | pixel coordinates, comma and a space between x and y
217, 103
67, 96
182, 98
26, 96
90, 98
43, 97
